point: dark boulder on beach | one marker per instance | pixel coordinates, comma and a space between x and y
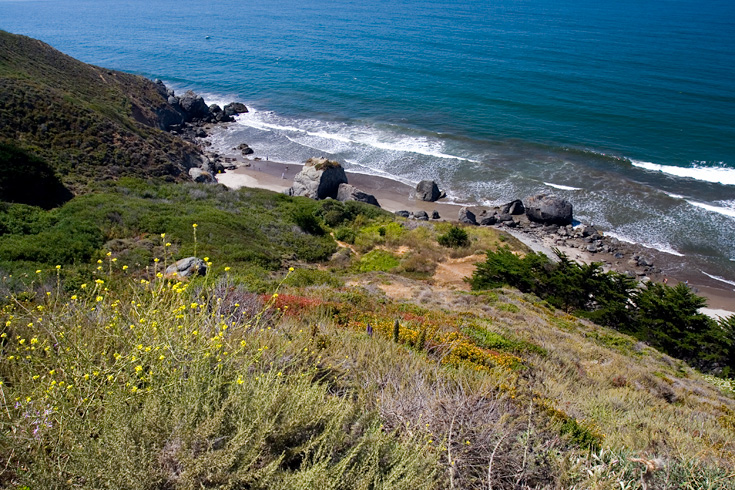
403, 213
435, 214
549, 209
427, 190
347, 192
467, 217
319, 179
421, 215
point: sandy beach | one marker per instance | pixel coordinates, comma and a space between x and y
394, 196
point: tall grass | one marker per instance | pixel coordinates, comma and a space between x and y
163, 385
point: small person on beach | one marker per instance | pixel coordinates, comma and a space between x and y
283, 175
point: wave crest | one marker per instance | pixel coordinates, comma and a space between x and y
717, 175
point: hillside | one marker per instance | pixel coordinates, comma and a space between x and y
259, 377
325, 344
86, 123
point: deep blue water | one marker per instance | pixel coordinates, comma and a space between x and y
626, 108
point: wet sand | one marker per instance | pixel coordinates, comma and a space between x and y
394, 196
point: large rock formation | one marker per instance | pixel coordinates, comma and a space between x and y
427, 190
319, 179
549, 209
347, 192
194, 105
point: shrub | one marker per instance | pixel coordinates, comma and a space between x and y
307, 221
345, 234
377, 260
456, 237
311, 277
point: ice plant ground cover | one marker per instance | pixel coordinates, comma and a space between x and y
132, 382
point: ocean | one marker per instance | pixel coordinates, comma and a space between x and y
626, 109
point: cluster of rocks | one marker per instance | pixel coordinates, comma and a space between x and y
418, 215
188, 116
187, 113
550, 219
542, 209
321, 178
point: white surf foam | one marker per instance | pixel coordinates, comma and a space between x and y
727, 211
718, 278
348, 134
661, 247
718, 175
563, 187
675, 196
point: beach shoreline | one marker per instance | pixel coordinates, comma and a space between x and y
394, 196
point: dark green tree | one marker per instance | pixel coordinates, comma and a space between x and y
668, 318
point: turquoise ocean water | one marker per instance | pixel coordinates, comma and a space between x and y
625, 108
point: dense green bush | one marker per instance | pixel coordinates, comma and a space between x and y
377, 260
456, 237
345, 234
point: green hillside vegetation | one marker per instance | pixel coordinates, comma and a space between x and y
323, 348
86, 123
257, 377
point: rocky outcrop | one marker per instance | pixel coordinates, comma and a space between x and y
186, 268
176, 112
347, 192
427, 190
193, 105
467, 217
319, 179
549, 209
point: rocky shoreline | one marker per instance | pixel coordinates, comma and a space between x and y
544, 222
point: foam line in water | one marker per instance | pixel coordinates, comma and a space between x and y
563, 187
717, 175
718, 278
353, 135
675, 196
730, 212
655, 246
